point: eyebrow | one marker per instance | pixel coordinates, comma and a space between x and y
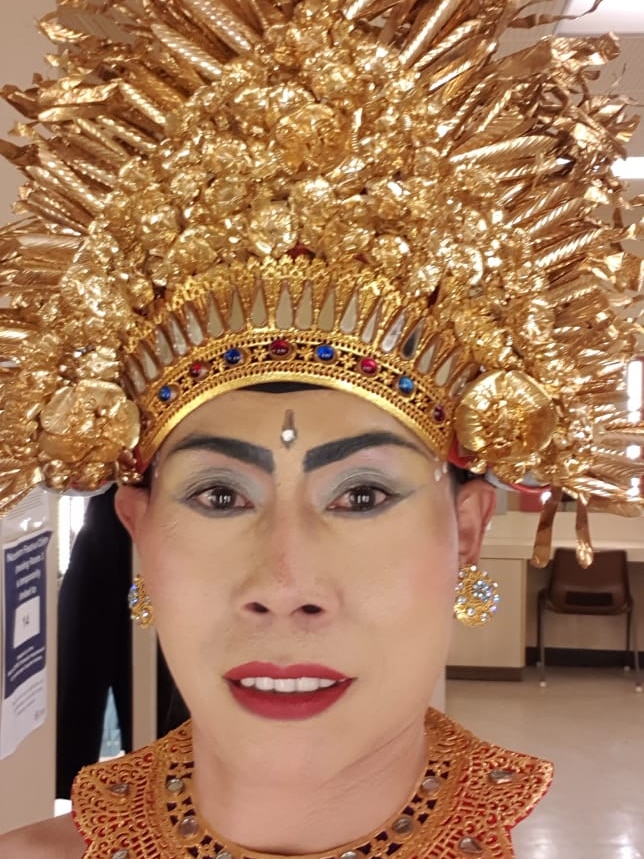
334, 451
242, 450
317, 457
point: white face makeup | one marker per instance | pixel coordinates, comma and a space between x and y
303, 594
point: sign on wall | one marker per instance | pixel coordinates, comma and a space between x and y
24, 626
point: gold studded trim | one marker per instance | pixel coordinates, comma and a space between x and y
469, 797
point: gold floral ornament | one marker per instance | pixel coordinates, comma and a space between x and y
87, 425
345, 192
506, 418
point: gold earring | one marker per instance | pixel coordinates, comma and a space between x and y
140, 604
477, 596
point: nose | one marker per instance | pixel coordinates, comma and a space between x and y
288, 578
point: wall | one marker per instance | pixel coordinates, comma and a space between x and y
27, 776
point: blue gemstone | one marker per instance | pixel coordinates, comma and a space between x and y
325, 353
482, 591
233, 356
165, 393
133, 596
406, 385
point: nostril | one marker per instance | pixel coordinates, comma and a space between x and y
258, 608
311, 609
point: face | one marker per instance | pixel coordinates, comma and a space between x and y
303, 592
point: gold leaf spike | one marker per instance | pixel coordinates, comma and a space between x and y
349, 319
326, 318
135, 374
177, 336
527, 147
267, 13
193, 325
304, 312
426, 361
55, 209
427, 25
142, 103
236, 318
93, 140
447, 368
187, 50
370, 328
563, 251
214, 323
409, 346
455, 76
224, 24
393, 334
162, 347
543, 539
60, 177
620, 437
458, 38
259, 313
149, 365
584, 548
284, 312
127, 133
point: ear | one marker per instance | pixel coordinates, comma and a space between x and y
131, 504
475, 505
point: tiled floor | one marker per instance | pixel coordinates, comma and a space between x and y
590, 723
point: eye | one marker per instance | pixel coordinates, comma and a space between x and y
220, 499
361, 499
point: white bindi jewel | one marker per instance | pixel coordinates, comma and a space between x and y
289, 433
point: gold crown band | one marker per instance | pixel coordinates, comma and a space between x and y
357, 334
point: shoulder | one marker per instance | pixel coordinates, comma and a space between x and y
498, 787
116, 803
50, 839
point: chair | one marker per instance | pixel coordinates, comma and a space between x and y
601, 589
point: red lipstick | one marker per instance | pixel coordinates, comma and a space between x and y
299, 702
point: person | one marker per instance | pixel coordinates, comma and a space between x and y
94, 646
294, 268
94, 642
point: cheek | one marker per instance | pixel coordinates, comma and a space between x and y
179, 564
407, 570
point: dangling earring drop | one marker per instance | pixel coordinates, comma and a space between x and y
477, 596
140, 604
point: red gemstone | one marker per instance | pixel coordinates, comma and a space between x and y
196, 369
439, 414
368, 366
280, 348
299, 251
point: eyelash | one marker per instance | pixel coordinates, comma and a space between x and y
234, 494
194, 498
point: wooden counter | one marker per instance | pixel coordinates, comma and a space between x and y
498, 650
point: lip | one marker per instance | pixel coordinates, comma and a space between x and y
286, 706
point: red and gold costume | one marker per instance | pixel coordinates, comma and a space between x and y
466, 803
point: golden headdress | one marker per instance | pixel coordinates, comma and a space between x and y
358, 193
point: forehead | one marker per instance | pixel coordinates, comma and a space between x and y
319, 415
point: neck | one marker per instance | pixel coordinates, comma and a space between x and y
307, 814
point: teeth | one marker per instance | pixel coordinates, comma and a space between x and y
307, 684
288, 684
285, 684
